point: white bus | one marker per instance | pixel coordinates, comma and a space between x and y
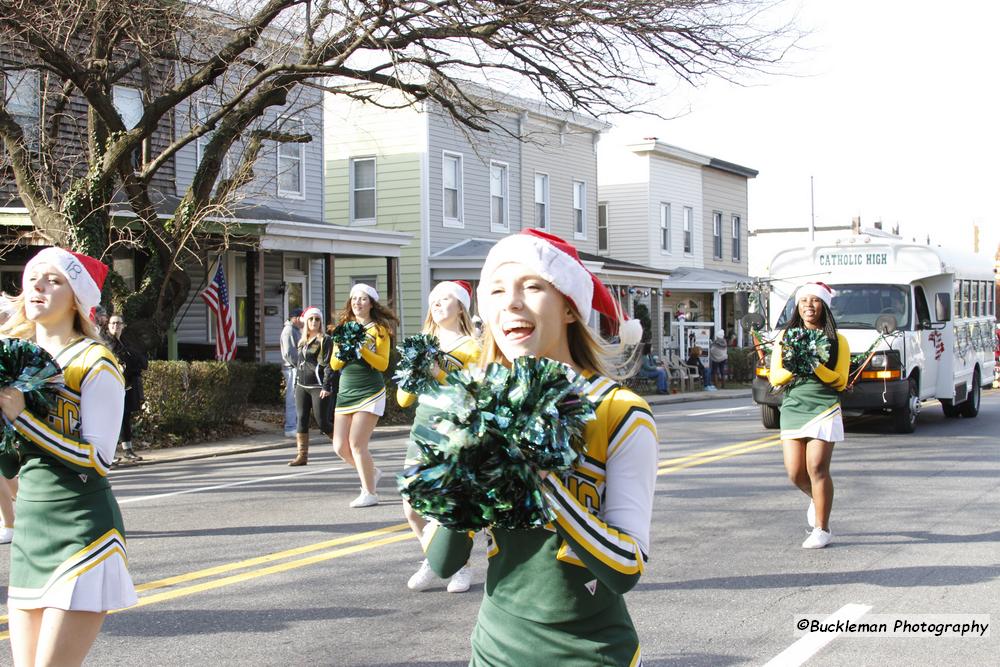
926, 315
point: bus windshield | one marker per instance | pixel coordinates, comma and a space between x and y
858, 306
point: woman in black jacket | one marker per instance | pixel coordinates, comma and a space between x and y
133, 362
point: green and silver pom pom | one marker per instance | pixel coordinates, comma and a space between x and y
417, 355
493, 432
349, 337
802, 350
29, 368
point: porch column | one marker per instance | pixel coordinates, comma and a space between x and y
656, 321
717, 307
391, 278
255, 283
329, 295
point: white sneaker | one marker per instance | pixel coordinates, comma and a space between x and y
6, 535
423, 578
817, 539
811, 514
460, 581
365, 499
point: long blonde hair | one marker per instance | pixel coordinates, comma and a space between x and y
464, 323
589, 351
19, 326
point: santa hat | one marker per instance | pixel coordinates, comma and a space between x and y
84, 274
361, 288
821, 290
557, 261
312, 311
459, 289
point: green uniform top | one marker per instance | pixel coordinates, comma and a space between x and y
361, 380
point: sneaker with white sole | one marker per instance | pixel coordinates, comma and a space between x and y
460, 581
423, 578
811, 514
365, 499
817, 539
6, 535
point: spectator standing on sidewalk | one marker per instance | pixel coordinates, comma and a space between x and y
315, 383
133, 362
290, 335
718, 356
448, 319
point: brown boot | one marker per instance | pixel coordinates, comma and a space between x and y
302, 445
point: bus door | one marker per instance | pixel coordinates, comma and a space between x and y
932, 346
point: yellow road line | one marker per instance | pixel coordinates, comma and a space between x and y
709, 452
710, 459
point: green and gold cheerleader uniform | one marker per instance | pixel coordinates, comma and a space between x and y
463, 354
362, 386
69, 545
810, 408
555, 595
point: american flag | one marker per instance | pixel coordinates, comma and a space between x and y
216, 295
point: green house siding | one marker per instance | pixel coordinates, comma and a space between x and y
397, 208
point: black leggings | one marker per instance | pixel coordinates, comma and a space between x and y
307, 399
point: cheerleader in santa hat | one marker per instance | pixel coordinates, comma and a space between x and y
68, 561
448, 319
811, 421
555, 595
361, 392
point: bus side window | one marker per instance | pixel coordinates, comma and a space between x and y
923, 312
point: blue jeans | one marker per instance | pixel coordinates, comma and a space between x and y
661, 378
291, 421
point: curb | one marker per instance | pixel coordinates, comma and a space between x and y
383, 433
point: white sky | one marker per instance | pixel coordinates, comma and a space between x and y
891, 109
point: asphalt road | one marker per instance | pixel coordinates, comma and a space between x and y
243, 561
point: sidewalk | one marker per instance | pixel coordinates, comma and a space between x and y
271, 436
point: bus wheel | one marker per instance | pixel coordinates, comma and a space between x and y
906, 417
770, 416
970, 408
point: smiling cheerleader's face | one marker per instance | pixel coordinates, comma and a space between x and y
48, 297
528, 315
811, 311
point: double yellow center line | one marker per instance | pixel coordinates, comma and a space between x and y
701, 458
211, 578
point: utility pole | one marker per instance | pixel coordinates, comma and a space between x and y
812, 211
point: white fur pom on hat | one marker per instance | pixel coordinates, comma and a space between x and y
557, 261
817, 289
361, 288
459, 289
84, 273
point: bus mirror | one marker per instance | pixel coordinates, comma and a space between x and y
886, 324
942, 306
752, 321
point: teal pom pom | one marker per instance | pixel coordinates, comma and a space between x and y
29, 368
492, 433
417, 354
802, 350
349, 337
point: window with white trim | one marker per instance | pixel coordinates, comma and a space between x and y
203, 110
717, 235
22, 96
363, 190
579, 209
602, 226
451, 177
128, 104
736, 238
498, 197
664, 227
542, 201
688, 229
292, 161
